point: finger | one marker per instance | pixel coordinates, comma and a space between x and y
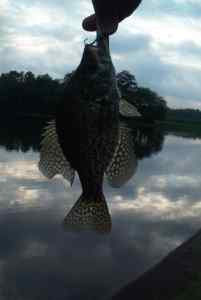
107, 18
89, 23
108, 25
129, 7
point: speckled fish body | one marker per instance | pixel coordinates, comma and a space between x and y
87, 120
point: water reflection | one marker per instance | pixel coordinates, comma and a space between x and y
156, 211
22, 134
138, 142
26, 136
134, 144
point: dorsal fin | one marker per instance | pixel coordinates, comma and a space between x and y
127, 109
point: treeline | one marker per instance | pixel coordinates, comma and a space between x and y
184, 115
23, 93
150, 105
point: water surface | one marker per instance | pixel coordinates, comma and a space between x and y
154, 212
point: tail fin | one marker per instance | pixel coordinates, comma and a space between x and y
88, 214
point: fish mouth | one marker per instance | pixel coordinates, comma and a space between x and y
96, 54
99, 47
93, 51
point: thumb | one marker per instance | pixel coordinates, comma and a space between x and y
108, 25
89, 23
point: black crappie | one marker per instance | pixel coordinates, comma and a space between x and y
89, 117
87, 137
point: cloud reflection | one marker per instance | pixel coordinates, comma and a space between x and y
153, 214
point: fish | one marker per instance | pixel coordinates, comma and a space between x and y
87, 137
89, 117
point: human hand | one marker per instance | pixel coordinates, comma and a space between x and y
108, 14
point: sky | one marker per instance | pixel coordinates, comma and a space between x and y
160, 43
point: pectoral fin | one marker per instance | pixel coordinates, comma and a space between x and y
124, 162
52, 160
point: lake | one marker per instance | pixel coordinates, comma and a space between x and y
158, 209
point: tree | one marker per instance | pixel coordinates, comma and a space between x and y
25, 93
148, 103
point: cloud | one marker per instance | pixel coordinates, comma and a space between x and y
42, 37
160, 43
164, 54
